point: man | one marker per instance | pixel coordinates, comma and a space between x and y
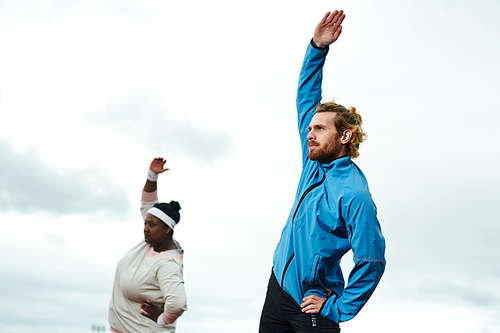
332, 214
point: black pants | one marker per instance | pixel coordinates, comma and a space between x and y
281, 314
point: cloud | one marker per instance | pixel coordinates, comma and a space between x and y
30, 184
68, 292
452, 291
144, 119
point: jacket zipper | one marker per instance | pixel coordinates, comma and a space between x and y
312, 187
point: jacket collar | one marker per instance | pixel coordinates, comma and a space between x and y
338, 163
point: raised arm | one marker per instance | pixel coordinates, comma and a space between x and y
157, 167
149, 194
311, 75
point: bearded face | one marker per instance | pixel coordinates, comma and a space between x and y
324, 152
323, 139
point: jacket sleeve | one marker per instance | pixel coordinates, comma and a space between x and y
309, 91
368, 246
149, 199
172, 286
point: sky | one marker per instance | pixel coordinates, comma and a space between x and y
91, 91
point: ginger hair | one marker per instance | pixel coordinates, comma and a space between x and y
343, 120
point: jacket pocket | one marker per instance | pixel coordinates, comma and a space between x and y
314, 270
310, 227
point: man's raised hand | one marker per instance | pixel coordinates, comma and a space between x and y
329, 29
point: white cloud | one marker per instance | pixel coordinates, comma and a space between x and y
29, 184
143, 118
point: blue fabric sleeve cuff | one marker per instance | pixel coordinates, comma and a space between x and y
317, 47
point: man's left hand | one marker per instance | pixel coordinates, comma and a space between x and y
312, 304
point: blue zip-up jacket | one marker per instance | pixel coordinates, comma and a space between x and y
332, 214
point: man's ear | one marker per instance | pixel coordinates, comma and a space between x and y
346, 136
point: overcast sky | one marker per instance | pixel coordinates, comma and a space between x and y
91, 91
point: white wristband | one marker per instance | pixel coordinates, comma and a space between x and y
152, 176
160, 321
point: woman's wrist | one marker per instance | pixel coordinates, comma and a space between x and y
152, 176
160, 321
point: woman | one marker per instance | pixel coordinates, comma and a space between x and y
148, 291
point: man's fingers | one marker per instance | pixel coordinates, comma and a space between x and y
337, 32
314, 310
306, 308
331, 17
341, 19
324, 19
338, 15
308, 300
311, 308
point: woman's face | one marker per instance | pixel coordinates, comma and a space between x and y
155, 231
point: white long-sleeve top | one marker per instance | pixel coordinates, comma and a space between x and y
145, 275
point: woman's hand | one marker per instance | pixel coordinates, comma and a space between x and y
157, 165
151, 311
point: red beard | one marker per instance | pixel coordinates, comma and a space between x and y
324, 153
